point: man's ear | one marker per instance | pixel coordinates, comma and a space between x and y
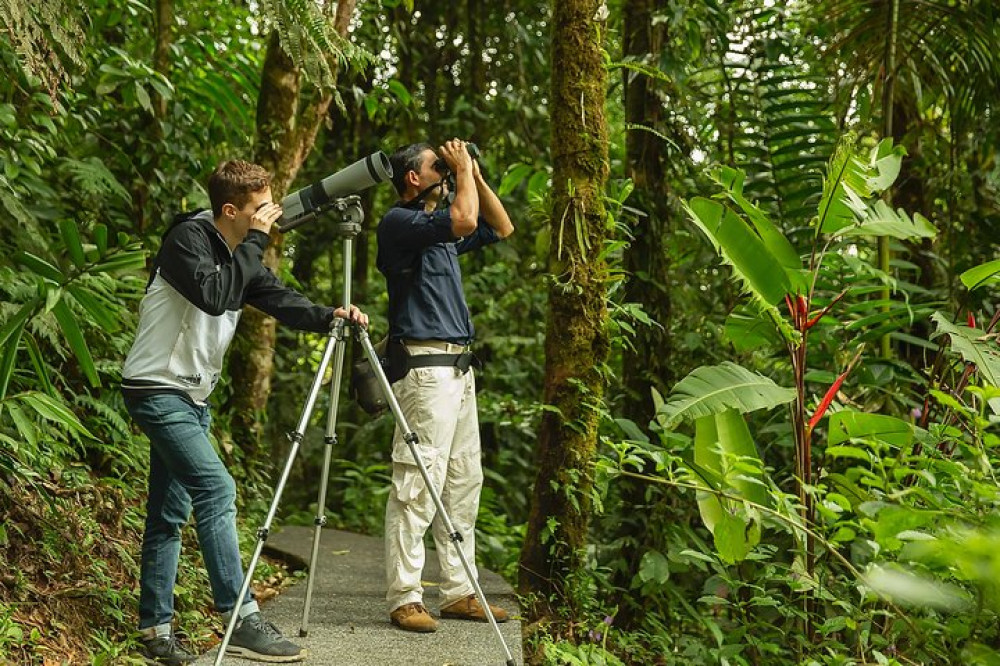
228, 210
412, 178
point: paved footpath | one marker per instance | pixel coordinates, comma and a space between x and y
349, 622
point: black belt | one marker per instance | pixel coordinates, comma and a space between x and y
462, 361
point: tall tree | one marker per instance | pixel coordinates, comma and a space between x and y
649, 363
290, 110
576, 341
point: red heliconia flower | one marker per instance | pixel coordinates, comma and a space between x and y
827, 399
971, 320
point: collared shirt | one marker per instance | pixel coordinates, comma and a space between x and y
418, 255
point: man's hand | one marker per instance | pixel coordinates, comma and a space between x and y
456, 155
355, 315
266, 215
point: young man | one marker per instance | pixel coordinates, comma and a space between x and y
418, 250
208, 267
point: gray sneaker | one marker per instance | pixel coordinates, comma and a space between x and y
166, 652
256, 638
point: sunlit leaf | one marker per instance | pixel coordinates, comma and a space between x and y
713, 389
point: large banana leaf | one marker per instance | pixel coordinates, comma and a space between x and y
742, 248
713, 389
725, 453
849, 424
776, 243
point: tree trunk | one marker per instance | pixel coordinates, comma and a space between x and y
649, 365
576, 342
285, 137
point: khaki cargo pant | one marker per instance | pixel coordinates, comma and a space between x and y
440, 405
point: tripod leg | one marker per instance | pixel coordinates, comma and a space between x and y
295, 437
411, 440
329, 441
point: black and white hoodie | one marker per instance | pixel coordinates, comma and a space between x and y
188, 316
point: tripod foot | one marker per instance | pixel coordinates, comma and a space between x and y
303, 633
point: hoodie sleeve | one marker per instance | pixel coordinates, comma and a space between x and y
287, 305
187, 263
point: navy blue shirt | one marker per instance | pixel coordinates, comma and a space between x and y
418, 255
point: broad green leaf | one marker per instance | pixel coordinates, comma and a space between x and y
71, 239
8, 356
76, 341
908, 588
40, 267
101, 238
779, 246
724, 446
513, 178
16, 323
25, 427
654, 567
734, 537
399, 91
882, 220
885, 162
124, 260
741, 247
726, 460
849, 424
981, 275
103, 316
714, 389
848, 452
371, 106
41, 369
54, 410
966, 341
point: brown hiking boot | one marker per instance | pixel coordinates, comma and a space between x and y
413, 617
469, 609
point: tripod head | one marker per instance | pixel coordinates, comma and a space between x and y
348, 216
347, 213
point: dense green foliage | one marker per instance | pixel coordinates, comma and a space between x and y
769, 486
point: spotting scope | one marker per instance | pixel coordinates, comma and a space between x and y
303, 205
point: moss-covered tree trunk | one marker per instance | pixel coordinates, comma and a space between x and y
576, 341
288, 120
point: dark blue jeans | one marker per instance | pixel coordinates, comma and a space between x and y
185, 473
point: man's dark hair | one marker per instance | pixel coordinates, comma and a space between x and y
233, 182
404, 160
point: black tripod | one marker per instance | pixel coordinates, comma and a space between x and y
348, 226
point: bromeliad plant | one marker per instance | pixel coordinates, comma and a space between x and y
773, 274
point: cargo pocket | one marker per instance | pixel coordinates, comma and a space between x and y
407, 482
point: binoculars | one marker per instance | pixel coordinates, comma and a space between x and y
442, 167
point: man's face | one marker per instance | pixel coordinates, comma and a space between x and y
427, 176
242, 215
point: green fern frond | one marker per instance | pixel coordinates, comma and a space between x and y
108, 415
94, 179
310, 39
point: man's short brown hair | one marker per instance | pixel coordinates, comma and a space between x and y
233, 182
